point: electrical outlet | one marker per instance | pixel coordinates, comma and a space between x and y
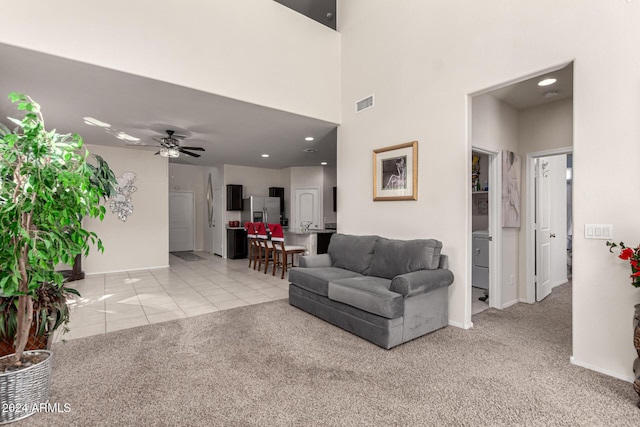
513, 280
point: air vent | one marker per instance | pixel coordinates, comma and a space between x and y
364, 104
310, 150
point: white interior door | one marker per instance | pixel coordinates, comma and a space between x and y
551, 224
218, 223
307, 207
181, 221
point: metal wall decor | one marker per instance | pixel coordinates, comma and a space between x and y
210, 201
120, 203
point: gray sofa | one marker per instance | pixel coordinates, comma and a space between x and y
383, 290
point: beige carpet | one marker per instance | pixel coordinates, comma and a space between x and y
272, 364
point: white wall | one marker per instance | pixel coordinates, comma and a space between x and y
495, 127
142, 241
189, 178
256, 51
423, 59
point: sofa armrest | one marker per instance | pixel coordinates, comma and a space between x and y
422, 281
310, 261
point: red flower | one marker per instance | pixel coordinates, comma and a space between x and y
626, 253
634, 264
636, 274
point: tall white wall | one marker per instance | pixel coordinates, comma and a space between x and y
423, 59
495, 128
142, 241
189, 178
256, 51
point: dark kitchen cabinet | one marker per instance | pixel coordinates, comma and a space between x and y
234, 197
278, 192
236, 243
323, 242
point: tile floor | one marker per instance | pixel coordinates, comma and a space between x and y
110, 302
478, 306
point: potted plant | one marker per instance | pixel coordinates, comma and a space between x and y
632, 255
50, 313
47, 186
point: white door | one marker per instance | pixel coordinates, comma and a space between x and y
181, 221
307, 208
551, 224
218, 224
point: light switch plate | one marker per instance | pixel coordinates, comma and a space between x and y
598, 231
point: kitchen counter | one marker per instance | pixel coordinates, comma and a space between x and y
311, 231
315, 240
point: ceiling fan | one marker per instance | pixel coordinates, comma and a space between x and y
170, 146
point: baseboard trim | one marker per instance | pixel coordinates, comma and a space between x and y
576, 362
460, 325
510, 303
128, 269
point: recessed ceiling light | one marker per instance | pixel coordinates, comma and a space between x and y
126, 137
323, 163
265, 155
95, 122
309, 138
547, 82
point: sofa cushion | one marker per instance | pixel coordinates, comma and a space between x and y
316, 279
352, 252
370, 294
395, 257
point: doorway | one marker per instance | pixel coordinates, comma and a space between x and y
181, 221
549, 228
522, 116
484, 214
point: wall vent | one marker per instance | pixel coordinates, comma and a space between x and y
364, 104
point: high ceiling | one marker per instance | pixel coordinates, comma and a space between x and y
232, 132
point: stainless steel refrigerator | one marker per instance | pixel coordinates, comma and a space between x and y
261, 209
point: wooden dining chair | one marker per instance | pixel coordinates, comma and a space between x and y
254, 249
282, 251
265, 251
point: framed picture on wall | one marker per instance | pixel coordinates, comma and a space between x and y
395, 172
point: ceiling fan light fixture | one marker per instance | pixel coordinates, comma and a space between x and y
170, 152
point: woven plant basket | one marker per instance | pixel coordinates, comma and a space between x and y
23, 391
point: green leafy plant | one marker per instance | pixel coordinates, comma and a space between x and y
633, 256
50, 312
47, 187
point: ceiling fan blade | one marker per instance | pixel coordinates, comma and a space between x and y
188, 153
193, 148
